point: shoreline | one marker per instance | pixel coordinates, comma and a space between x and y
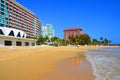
27, 63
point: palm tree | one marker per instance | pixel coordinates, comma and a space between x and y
83, 39
106, 41
58, 41
95, 42
76, 39
40, 40
64, 42
72, 39
109, 41
101, 40
86, 39
54, 40
47, 39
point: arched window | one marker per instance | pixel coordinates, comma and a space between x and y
1, 32
23, 36
18, 35
11, 33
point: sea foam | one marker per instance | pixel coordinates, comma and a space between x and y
105, 66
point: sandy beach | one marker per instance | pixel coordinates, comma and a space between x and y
44, 63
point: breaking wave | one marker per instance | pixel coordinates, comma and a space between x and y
106, 65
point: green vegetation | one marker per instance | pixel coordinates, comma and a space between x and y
83, 39
31, 37
102, 41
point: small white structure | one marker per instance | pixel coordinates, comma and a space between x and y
14, 37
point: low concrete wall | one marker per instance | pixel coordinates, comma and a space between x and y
2, 42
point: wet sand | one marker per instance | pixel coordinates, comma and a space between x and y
43, 63
74, 68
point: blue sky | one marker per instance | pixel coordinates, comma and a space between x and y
96, 17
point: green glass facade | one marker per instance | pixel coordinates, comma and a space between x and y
48, 30
3, 13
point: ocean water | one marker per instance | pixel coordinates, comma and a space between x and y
105, 63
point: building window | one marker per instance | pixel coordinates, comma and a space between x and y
8, 43
2, 5
72, 33
6, 4
2, 13
18, 35
33, 44
78, 32
23, 36
2, 9
11, 33
1, 25
1, 32
26, 43
2, 1
18, 43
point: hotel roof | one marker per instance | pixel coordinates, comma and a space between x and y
69, 29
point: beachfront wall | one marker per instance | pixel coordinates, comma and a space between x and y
12, 41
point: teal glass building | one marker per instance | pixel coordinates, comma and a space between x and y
47, 30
